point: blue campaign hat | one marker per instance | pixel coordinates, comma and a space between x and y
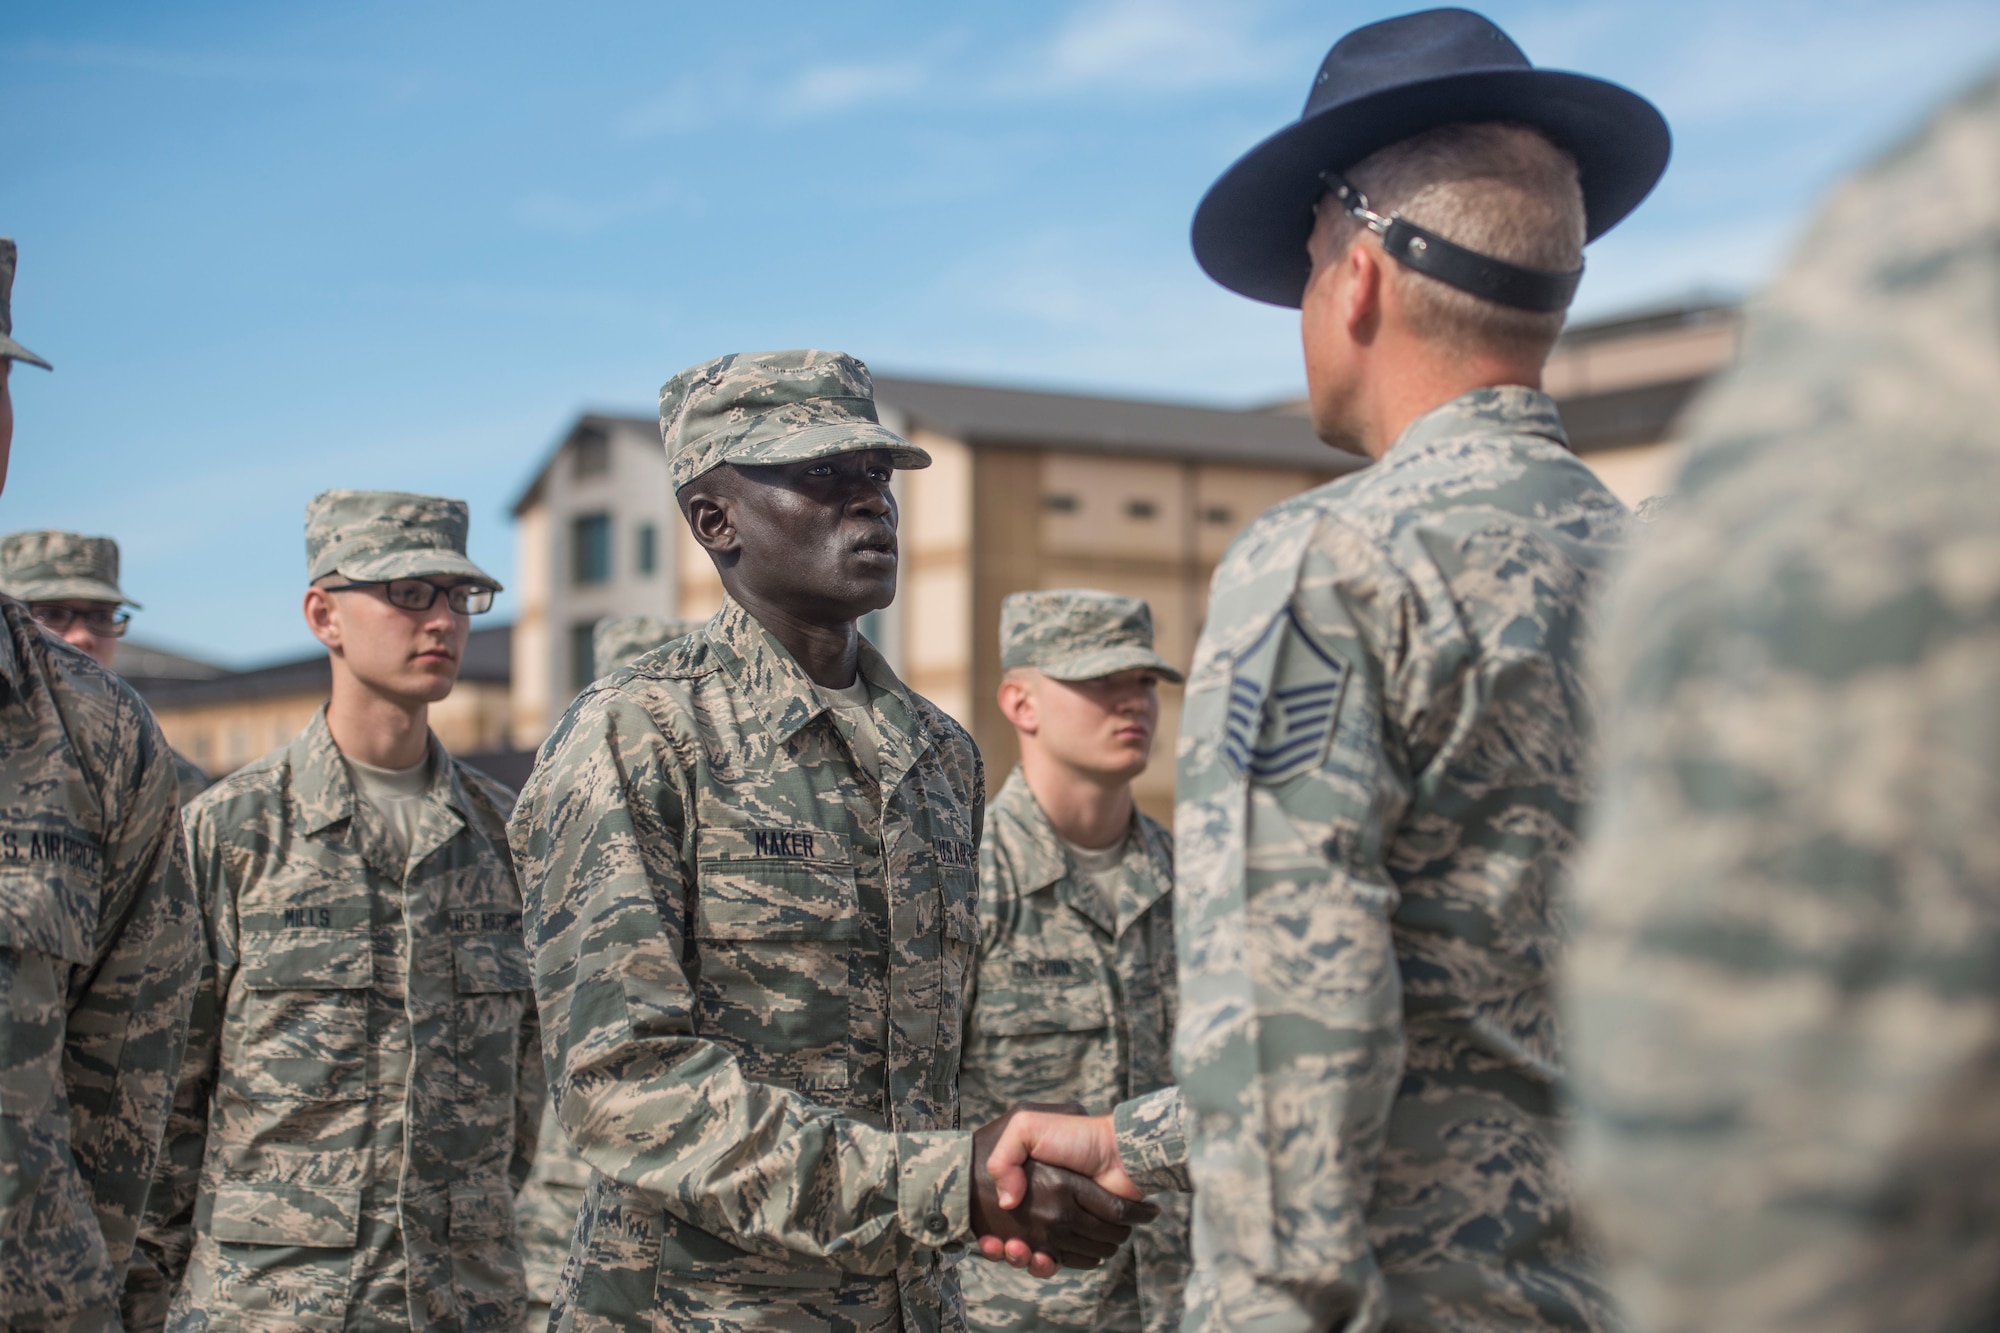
1395, 79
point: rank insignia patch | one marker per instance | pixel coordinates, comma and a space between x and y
1284, 696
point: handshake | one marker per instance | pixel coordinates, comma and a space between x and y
1049, 1191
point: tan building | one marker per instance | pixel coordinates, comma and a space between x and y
223, 719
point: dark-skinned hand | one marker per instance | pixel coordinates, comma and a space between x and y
1065, 1219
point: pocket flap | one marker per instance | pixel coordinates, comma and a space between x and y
273, 1213
52, 913
481, 1211
777, 901
1023, 997
491, 963
307, 959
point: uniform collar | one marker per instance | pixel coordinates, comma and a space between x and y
1040, 859
778, 688
325, 792
1507, 409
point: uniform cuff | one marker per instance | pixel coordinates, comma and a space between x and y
934, 1186
1152, 1141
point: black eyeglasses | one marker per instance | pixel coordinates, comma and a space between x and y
105, 622
468, 599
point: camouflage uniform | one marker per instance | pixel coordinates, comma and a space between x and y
364, 1081
1074, 991
98, 957
751, 956
545, 1212
63, 566
1382, 765
1786, 984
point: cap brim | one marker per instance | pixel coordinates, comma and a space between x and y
416, 565
827, 441
13, 351
1251, 227
69, 590
1108, 662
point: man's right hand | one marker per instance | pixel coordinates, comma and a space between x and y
1061, 1218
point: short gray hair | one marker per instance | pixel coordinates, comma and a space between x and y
1499, 188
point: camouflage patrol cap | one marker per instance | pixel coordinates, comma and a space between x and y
375, 536
773, 407
1079, 634
621, 639
60, 567
9, 349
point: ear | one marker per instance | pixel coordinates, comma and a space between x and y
1363, 292
1017, 705
322, 614
712, 520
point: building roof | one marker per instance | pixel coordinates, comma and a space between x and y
988, 416
1685, 312
488, 657
982, 415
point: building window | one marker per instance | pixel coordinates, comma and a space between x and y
1060, 504
589, 453
1141, 509
649, 548
590, 548
582, 657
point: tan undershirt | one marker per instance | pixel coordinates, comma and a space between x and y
396, 795
1100, 865
854, 708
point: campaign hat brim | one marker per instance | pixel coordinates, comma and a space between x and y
1251, 227
13, 351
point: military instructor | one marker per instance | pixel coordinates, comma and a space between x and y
1385, 752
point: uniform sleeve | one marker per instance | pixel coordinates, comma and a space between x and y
1290, 1044
128, 1014
599, 837
1153, 1141
167, 1237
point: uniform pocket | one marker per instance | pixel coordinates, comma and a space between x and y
494, 981
775, 937
274, 1213
1042, 1032
299, 1030
275, 1256
487, 1272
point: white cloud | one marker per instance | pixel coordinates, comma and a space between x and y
828, 88
1159, 45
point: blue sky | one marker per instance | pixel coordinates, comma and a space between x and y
277, 248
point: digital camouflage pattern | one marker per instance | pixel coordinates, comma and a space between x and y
375, 536
545, 1212
364, 1077
99, 948
752, 963
1073, 1001
9, 349
1383, 759
773, 407
60, 566
1786, 985
1079, 634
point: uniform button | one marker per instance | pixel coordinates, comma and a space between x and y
938, 1223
